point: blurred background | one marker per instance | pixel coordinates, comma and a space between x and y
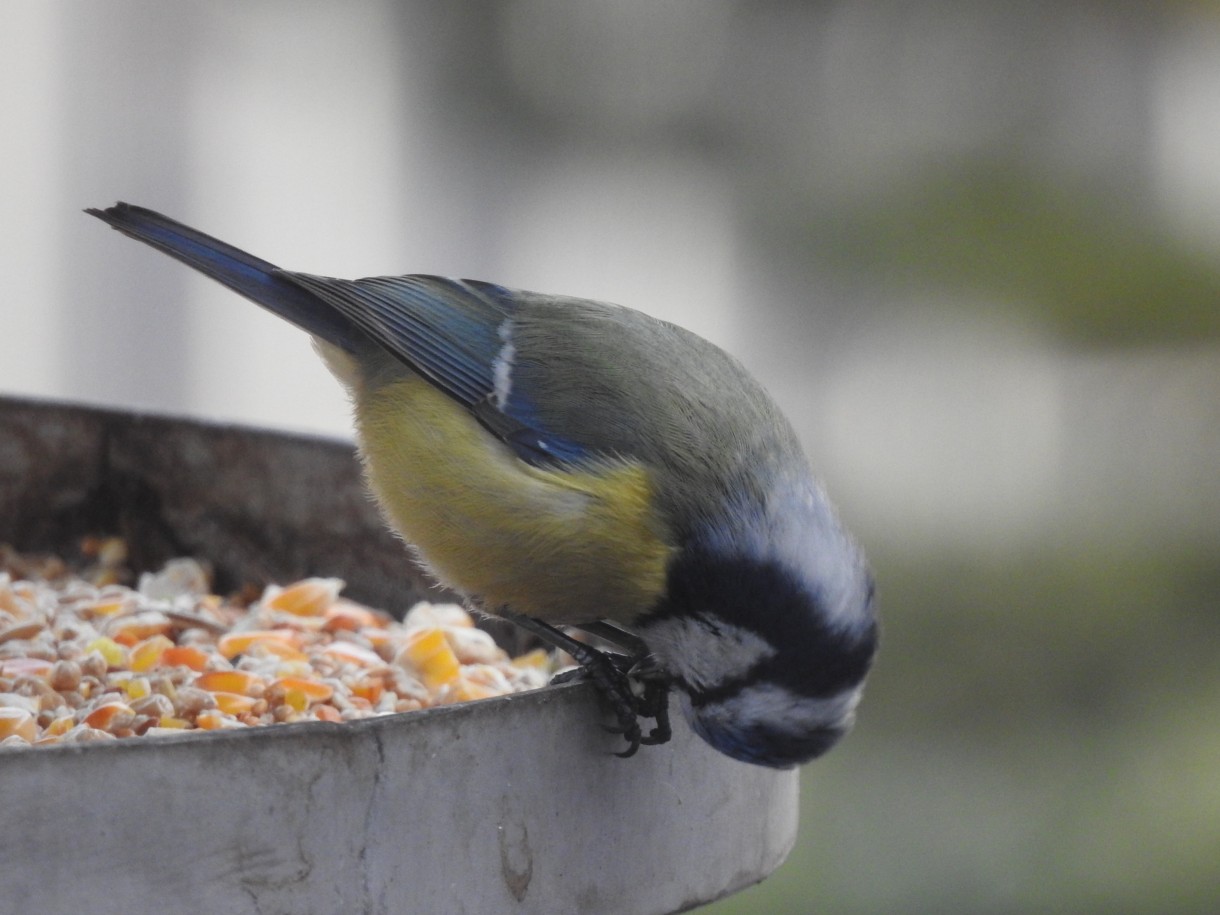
972, 247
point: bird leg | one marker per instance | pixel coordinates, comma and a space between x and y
611, 674
631, 643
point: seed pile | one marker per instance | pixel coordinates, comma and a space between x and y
85, 658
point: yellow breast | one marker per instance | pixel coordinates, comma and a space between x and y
559, 545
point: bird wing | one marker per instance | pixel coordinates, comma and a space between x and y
458, 335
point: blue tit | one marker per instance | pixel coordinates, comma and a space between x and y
566, 462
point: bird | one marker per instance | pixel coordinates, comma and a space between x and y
568, 463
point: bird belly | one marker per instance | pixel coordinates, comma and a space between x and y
563, 545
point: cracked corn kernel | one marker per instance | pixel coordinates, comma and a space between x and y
110, 717
214, 719
231, 644
312, 690
137, 687
231, 681
311, 597
59, 727
428, 652
114, 654
234, 703
147, 653
186, 656
370, 689
17, 722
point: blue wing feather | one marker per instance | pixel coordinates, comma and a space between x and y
450, 331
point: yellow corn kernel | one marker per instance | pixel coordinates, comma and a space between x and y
211, 720
17, 722
296, 699
428, 652
313, 690
232, 644
309, 597
231, 681
59, 726
234, 703
145, 655
110, 717
170, 721
137, 687
369, 688
111, 651
185, 656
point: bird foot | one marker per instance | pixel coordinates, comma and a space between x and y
613, 675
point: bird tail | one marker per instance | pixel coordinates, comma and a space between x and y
256, 279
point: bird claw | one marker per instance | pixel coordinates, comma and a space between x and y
655, 704
611, 673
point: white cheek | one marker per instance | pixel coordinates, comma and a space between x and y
705, 652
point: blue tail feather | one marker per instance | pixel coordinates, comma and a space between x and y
252, 277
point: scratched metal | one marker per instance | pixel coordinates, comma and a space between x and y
502, 806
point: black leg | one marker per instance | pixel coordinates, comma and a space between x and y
610, 674
628, 641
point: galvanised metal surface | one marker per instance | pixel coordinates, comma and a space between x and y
506, 805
